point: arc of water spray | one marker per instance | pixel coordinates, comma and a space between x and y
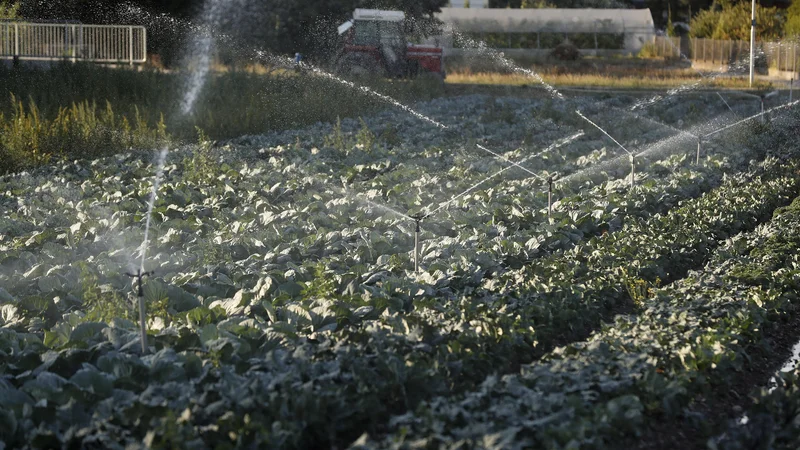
505, 62
552, 147
202, 44
510, 162
684, 88
288, 62
655, 122
162, 157
211, 14
604, 132
746, 119
633, 161
702, 75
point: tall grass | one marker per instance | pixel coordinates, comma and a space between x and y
653, 80
28, 138
60, 116
231, 103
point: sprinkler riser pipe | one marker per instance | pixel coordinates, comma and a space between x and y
417, 219
549, 198
633, 170
142, 323
791, 89
697, 160
138, 276
416, 250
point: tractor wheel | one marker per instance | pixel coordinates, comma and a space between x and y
355, 64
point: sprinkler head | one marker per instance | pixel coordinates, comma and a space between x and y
138, 276
419, 217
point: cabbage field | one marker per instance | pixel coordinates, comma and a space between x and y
284, 310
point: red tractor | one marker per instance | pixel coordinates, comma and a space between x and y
374, 42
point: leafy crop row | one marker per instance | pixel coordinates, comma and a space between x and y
378, 361
284, 313
643, 368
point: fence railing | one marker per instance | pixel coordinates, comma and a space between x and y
120, 44
782, 56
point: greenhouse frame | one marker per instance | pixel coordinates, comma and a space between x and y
591, 30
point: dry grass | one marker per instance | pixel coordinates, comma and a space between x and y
647, 79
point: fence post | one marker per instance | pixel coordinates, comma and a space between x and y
16, 44
730, 52
704, 49
80, 42
130, 44
72, 42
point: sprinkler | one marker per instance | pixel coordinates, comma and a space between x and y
549, 197
140, 293
417, 219
699, 144
764, 97
633, 169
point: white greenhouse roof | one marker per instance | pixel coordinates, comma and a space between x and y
507, 20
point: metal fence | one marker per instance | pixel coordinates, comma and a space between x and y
781, 56
117, 44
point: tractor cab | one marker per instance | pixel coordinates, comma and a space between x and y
375, 42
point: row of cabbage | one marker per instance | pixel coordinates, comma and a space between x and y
268, 209
645, 370
323, 370
380, 345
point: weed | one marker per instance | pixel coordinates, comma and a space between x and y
337, 138
82, 130
200, 168
365, 138
100, 303
638, 289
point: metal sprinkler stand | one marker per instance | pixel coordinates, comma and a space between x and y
699, 144
417, 218
140, 293
549, 197
633, 169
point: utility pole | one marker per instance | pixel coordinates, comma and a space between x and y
752, 43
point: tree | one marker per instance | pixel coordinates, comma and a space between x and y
792, 26
730, 19
9, 10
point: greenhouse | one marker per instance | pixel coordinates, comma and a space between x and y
620, 30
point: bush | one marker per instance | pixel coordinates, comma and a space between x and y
732, 21
566, 51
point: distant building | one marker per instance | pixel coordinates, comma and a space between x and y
593, 31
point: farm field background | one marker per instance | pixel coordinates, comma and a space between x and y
284, 311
